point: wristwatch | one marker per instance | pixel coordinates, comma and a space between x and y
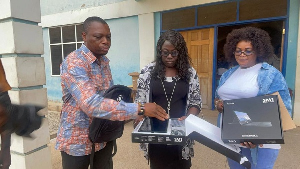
142, 111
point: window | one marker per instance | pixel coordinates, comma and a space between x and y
226, 12
178, 19
214, 14
63, 40
255, 9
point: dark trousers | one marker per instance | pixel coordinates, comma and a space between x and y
167, 157
102, 159
5, 158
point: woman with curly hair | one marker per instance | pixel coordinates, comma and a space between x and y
250, 48
172, 83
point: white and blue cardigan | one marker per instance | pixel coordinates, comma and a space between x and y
194, 99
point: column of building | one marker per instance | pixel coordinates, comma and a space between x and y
296, 116
21, 46
146, 38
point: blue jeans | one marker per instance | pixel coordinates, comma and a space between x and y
265, 159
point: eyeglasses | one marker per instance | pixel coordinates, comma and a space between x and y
239, 52
166, 53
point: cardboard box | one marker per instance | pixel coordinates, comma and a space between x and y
255, 119
196, 129
286, 120
175, 134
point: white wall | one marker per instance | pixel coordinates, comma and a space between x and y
118, 10
146, 38
57, 6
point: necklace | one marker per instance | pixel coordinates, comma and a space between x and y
168, 100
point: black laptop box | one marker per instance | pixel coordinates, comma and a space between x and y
175, 134
255, 119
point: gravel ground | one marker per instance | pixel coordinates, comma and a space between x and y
53, 117
130, 157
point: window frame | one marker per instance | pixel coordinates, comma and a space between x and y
62, 44
237, 21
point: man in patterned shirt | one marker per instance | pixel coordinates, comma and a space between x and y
85, 76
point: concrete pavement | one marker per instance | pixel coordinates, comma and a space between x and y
130, 157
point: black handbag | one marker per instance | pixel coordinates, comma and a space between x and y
21, 119
103, 130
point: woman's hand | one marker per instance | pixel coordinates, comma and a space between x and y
192, 110
182, 118
249, 144
219, 105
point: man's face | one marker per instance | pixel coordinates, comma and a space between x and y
97, 38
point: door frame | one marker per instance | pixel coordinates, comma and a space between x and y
216, 26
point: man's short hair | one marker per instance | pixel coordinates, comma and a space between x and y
89, 20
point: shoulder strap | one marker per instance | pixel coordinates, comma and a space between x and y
115, 148
92, 157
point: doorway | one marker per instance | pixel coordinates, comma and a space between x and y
276, 32
200, 48
200, 44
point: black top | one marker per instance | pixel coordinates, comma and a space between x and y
178, 102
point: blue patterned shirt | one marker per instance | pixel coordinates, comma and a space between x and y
84, 79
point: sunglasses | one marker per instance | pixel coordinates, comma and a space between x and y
166, 53
239, 52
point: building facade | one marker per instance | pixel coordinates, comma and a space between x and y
21, 47
136, 25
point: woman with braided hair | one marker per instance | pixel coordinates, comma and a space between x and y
172, 83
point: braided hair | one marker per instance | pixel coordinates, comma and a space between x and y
183, 62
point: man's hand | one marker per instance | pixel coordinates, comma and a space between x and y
154, 110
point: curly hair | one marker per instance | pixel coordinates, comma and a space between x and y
183, 62
259, 39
